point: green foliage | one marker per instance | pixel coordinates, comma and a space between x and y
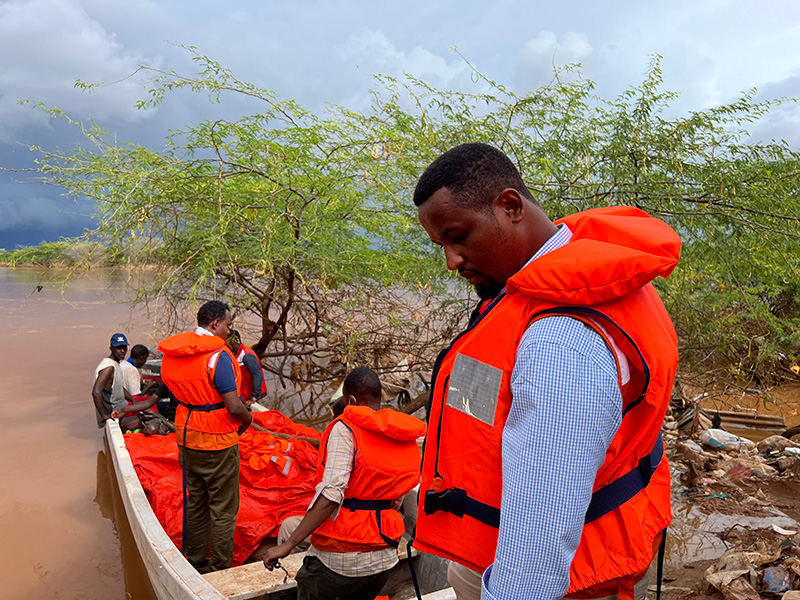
306, 220
55, 254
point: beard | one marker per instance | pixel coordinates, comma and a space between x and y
489, 289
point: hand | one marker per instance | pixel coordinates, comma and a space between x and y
243, 427
115, 414
275, 553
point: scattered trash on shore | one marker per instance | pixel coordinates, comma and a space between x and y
745, 496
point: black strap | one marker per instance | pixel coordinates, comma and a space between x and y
660, 568
376, 505
456, 501
619, 491
392, 543
355, 504
411, 567
604, 500
203, 407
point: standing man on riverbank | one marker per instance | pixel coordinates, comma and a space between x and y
108, 391
544, 473
204, 376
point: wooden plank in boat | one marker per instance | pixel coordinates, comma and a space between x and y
445, 594
253, 580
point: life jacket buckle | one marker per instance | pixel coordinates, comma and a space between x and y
452, 500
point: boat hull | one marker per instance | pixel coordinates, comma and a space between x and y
171, 575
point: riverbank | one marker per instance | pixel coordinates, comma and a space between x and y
736, 507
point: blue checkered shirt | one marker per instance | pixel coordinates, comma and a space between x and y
566, 408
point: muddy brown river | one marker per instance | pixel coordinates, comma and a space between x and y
60, 538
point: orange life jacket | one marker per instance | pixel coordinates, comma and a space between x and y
385, 468
189, 376
601, 277
247, 377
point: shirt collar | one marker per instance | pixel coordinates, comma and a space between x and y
202, 331
561, 237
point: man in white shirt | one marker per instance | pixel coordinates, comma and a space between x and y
131, 374
108, 391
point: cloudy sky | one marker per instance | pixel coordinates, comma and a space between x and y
319, 52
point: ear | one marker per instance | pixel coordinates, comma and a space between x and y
511, 202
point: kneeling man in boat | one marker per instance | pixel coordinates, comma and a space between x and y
204, 376
368, 460
108, 391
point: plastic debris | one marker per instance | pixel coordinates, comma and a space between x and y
776, 580
744, 466
775, 443
691, 445
720, 495
782, 531
723, 440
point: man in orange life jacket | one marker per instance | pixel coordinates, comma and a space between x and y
203, 375
253, 384
368, 460
544, 473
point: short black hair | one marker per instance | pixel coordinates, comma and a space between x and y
140, 350
474, 173
362, 382
338, 407
211, 311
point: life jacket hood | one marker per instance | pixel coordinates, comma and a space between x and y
189, 344
393, 424
615, 251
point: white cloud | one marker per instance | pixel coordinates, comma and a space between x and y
374, 53
45, 45
542, 53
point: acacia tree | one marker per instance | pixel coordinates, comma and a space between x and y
281, 214
735, 296
306, 222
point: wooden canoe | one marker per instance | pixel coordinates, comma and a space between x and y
173, 578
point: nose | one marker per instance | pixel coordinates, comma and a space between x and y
453, 258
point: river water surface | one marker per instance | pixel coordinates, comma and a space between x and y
59, 536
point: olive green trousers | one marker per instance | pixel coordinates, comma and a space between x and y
210, 505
